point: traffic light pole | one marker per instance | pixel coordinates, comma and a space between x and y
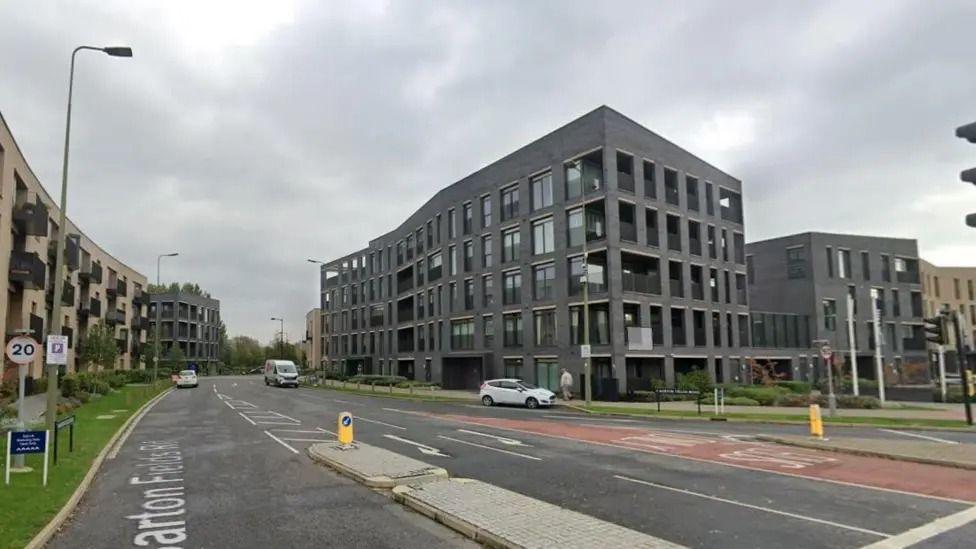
963, 367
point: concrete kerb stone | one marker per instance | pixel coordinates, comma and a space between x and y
372, 466
45, 535
817, 445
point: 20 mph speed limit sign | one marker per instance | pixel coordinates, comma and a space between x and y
22, 350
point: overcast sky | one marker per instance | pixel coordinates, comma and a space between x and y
251, 136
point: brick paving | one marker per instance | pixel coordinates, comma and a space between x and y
521, 521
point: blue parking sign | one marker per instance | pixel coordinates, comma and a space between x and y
28, 442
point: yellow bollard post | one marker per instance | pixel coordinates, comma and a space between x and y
344, 429
816, 421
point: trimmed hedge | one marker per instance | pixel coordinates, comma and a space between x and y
798, 387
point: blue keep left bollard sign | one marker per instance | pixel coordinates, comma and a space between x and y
28, 442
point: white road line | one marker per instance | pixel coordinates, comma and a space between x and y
399, 411
276, 423
926, 437
286, 417
294, 431
756, 507
325, 431
425, 449
926, 531
585, 417
306, 439
360, 418
459, 441
503, 440
281, 442
229, 405
247, 418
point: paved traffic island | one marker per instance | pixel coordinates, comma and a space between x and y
373, 466
933, 453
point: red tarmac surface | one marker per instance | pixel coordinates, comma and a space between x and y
913, 478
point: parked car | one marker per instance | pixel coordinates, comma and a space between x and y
280, 373
515, 391
187, 378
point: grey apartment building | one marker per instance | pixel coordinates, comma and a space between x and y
798, 289
190, 321
485, 279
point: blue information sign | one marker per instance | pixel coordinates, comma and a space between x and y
346, 421
28, 442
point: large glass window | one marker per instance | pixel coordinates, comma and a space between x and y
652, 228
487, 259
796, 262
596, 274
545, 327
512, 328
541, 191
625, 172
544, 279
691, 192
510, 202
584, 176
434, 266
510, 245
451, 224
488, 290
671, 193
595, 224
468, 294
462, 334
542, 237
488, 330
485, 211
468, 256
511, 288
452, 261
599, 324
679, 336
830, 314
467, 217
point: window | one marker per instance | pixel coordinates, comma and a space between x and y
434, 266
596, 274
420, 305
725, 245
739, 245
676, 278
468, 294
697, 282
542, 237
830, 314
430, 302
651, 228
796, 263
599, 324
511, 288
451, 224
488, 291
466, 217
728, 288
584, 176
844, 263
713, 284
750, 269
955, 288
886, 272
628, 223
650, 181
691, 193
657, 325
698, 331
420, 338
694, 238
462, 334
671, 186
625, 172
452, 261
679, 337
510, 245
541, 191
595, 228
744, 330
673, 226
510, 202
437, 230
544, 281
731, 205
452, 295
430, 234
512, 330
969, 286
716, 329
830, 262
545, 327
709, 199
740, 289
712, 243
468, 256
487, 260
895, 303
485, 211
865, 266
488, 330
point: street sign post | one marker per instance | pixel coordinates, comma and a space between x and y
68, 422
57, 349
344, 429
26, 442
21, 350
827, 354
585, 351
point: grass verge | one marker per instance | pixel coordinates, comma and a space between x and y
26, 505
419, 394
782, 418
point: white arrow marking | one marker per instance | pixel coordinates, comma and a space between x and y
429, 450
503, 440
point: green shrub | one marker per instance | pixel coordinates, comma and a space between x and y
116, 380
377, 380
83, 397
741, 401
765, 396
40, 386
70, 385
861, 402
100, 387
792, 400
798, 387
695, 380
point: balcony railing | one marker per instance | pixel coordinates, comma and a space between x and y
27, 269
625, 181
67, 294
138, 296
641, 283
628, 231
115, 317
31, 219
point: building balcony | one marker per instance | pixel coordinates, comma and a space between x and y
31, 219
138, 296
37, 326
115, 317
66, 331
27, 269
72, 251
67, 294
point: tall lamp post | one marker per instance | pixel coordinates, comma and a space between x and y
52, 384
159, 305
585, 281
281, 337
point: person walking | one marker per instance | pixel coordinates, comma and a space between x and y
566, 383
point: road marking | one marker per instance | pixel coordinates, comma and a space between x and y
325, 431
429, 450
503, 440
399, 411
294, 431
787, 459
459, 441
286, 417
281, 442
586, 417
926, 437
306, 439
926, 531
360, 418
247, 418
756, 507
276, 423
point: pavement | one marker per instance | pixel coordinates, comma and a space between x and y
34, 408
934, 453
250, 483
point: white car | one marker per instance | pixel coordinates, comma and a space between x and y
188, 378
515, 391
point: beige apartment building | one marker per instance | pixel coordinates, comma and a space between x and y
314, 338
955, 288
97, 286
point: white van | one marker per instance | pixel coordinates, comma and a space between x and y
280, 373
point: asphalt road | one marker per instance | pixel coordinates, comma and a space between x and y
222, 483
249, 483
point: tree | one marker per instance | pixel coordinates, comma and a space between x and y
99, 347
187, 288
245, 353
175, 359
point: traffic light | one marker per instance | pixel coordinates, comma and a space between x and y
968, 132
935, 330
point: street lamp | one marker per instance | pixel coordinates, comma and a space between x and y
585, 281
159, 305
52, 384
281, 337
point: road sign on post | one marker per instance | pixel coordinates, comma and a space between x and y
22, 350
344, 428
585, 351
26, 442
827, 354
57, 349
